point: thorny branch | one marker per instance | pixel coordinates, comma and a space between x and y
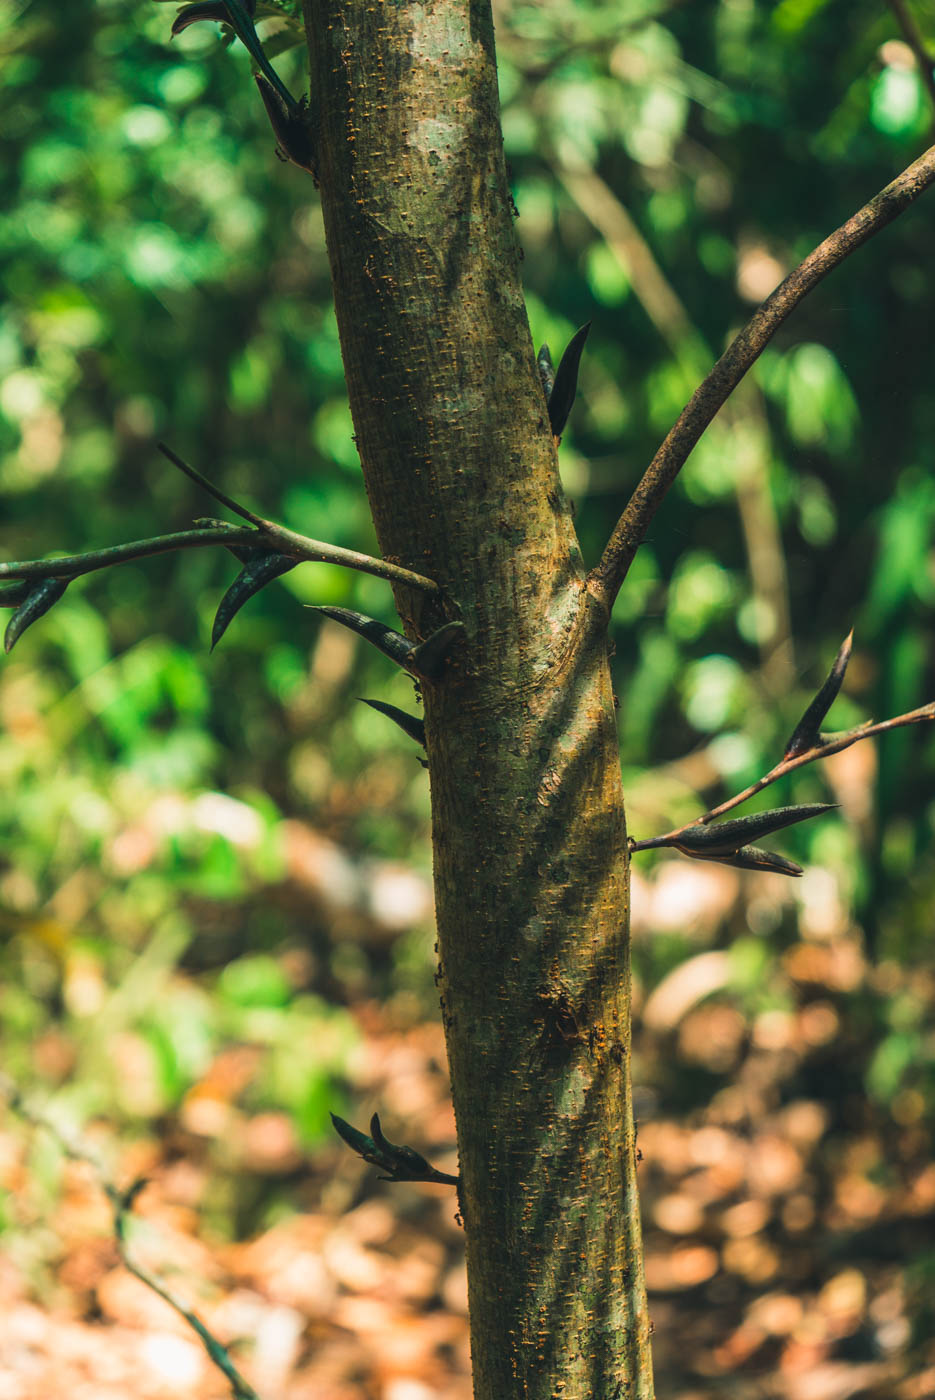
121, 1203
41, 582
700, 840
265, 534
712, 393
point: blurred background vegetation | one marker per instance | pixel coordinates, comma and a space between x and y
215, 870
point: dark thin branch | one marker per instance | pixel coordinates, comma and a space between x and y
74, 565
915, 39
121, 1203
267, 536
631, 528
827, 744
194, 475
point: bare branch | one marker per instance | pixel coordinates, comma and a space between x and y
742, 420
194, 475
267, 535
916, 41
121, 1203
630, 530
74, 565
266, 550
826, 745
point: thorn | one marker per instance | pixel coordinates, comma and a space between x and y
409, 724
566, 381
424, 659
39, 598
753, 858
386, 639
726, 838
258, 571
400, 1163
290, 127
428, 658
806, 734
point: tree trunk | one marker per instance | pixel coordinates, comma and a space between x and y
529, 833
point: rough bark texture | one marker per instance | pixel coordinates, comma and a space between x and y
529, 830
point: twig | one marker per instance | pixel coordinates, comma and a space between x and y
916, 41
74, 565
194, 475
265, 549
742, 421
121, 1203
266, 535
829, 744
630, 530
727, 842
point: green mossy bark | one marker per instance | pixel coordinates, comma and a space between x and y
529, 832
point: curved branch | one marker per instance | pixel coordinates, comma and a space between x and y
267, 535
631, 528
660, 301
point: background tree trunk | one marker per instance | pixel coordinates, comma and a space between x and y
529, 829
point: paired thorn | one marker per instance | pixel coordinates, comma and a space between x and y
728, 842
399, 1163
423, 659
561, 385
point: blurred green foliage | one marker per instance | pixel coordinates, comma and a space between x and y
165, 276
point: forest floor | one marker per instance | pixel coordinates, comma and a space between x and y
790, 1223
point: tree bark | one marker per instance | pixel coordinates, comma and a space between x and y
531, 870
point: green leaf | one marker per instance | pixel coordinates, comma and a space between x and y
257, 981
